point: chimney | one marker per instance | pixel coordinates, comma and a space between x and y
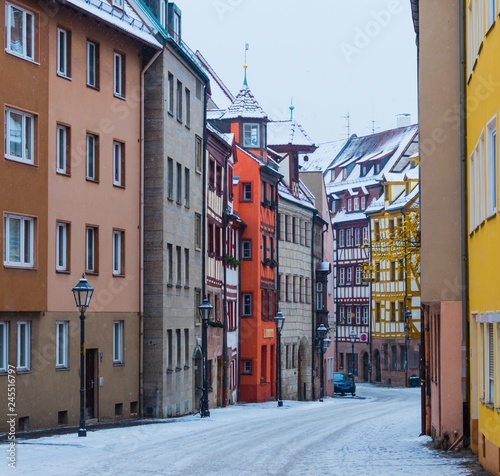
403, 120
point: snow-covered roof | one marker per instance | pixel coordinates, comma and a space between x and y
305, 197
126, 19
403, 199
343, 217
287, 133
228, 138
384, 149
244, 105
322, 157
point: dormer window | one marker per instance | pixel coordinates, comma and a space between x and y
363, 203
356, 203
117, 3
349, 205
251, 137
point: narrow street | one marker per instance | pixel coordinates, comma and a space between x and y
376, 432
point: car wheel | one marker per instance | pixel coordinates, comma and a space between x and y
353, 394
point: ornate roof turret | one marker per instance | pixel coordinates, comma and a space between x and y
244, 105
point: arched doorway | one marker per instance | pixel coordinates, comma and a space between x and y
366, 367
198, 376
378, 370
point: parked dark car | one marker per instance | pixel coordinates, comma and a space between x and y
344, 383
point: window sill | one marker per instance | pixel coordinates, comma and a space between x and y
62, 173
91, 273
29, 60
118, 364
63, 76
95, 88
63, 271
118, 96
118, 275
116, 185
91, 180
62, 369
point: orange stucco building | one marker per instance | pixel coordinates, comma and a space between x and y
255, 200
70, 84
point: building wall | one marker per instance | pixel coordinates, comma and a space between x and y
170, 299
48, 395
483, 100
295, 301
441, 215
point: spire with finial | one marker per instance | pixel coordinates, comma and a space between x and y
245, 66
291, 107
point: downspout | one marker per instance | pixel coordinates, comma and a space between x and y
225, 223
370, 323
313, 308
204, 199
336, 298
463, 203
141, 240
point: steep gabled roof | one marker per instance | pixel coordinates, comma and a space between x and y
323, 157
245, 105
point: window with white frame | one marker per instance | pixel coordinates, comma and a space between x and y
341, 238
118, 342
356, 203
359, 274
92, 64
472, 193
358, 314
170, 94
118, 252
365, 235
247, 192
348, 311
341, 315
118, 164
365, 315
91, 247
491, 168
62, 246
490, 368
19, 136
247, 304
92, 158
62, 149
63, 52
319, 296
23, 345
357, 236
20, 32
119, 75
4, 346
62, 349
19, 241
348, 234
341, 275
251, 136
246, 249
349, 274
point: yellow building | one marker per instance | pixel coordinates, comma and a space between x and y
394, 273
483, 109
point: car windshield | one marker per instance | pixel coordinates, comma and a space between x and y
339, 377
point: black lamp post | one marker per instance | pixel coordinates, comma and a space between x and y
323, 344
280, 321
205, 310
83, 294
352, 338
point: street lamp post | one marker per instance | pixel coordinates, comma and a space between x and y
82, 293
280, 321
323, 344
352, 338
205, 310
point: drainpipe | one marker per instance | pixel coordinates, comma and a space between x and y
313, 308
370, 291
463, 203
141, 241
336, 298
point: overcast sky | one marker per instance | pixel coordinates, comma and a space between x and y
334, 57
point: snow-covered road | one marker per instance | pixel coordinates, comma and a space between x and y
375, 433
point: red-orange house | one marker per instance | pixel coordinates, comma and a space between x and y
256, 202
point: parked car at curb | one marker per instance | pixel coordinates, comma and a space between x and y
344, 383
